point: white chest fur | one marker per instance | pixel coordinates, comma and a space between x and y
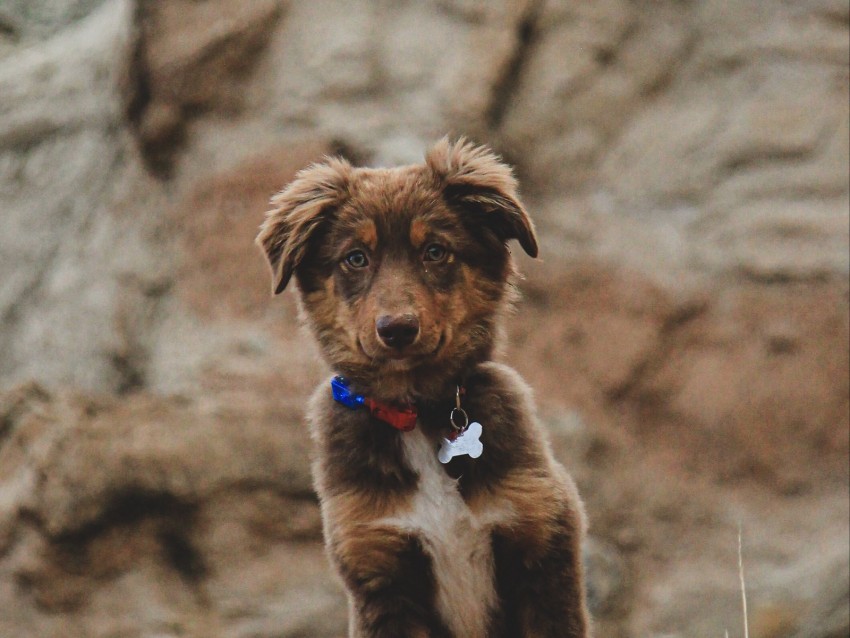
456, 539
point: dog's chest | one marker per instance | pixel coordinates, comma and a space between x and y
457, 540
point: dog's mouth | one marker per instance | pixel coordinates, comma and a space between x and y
403, 358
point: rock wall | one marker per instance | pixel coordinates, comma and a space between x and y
687, 331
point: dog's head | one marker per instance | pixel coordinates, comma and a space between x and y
403, 271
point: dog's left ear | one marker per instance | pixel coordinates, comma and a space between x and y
475, 179
297, 211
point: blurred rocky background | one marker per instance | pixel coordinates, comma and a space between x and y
686, 330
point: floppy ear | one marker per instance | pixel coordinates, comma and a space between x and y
296, 213
475, 179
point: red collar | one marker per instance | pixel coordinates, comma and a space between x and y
403, 419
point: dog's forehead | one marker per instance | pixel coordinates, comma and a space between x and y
392, 199
388, 188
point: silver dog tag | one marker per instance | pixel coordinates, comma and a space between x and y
468, 442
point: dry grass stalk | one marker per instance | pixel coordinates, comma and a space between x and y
743, 587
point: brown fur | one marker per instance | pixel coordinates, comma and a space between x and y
519, 514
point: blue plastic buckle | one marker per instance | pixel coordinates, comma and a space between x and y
343, 394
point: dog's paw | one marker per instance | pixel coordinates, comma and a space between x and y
467, 443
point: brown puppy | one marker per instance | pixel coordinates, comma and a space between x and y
403, 276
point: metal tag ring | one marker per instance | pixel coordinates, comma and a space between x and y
459, 414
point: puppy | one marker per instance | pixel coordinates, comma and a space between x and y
444, 511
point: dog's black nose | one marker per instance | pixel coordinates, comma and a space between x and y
398, 331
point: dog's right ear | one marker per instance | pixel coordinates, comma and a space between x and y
475, 179
297, 211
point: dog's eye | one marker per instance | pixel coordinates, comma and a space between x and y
435, 252
357, 259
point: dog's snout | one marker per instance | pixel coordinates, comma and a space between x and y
397, 331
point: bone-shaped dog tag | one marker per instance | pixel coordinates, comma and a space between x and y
467, 443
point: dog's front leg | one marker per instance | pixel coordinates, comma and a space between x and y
391, 584
539, 578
